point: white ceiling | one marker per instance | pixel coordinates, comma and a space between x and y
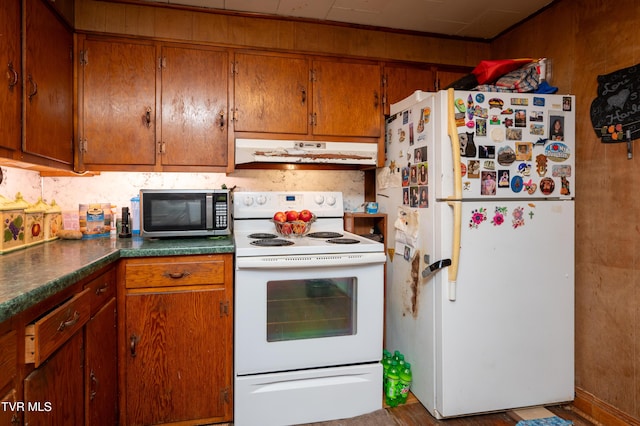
462, 18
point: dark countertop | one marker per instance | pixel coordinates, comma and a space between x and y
28, 276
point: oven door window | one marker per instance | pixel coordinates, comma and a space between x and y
311, 308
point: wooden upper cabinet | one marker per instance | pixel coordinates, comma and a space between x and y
445, 77
10, 87
402, 81
271, 93
117, 112
347, 99
48, 84
195, 114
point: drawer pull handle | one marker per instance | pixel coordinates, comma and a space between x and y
102, 289
70, 322
176, 275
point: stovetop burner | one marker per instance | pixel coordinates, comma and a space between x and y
343, 241
272, 242
324, 234
262, 236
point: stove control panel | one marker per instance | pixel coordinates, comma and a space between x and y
265, 204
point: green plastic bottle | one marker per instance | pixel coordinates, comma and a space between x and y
405, 378
386, 363
392, 387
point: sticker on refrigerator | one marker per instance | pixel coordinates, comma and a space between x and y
517, 217
530, 187
565, 187
488, 183
556, 127
498, 216
506, 156
557, 152
541, 164
478, 216
524, 151
467, 144
547, 185
503, 181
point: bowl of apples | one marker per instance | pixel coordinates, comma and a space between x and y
293, 223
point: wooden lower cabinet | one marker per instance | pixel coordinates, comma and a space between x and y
101, 367
176, 340
55, 389
10, 416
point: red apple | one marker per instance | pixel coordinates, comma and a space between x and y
286, 229
35, 229
305, 215
292, 215
280, 217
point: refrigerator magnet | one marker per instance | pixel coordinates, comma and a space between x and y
541, 164
530, 187
547, 185
517, 184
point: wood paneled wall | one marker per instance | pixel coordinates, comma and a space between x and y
584, 39
278, 34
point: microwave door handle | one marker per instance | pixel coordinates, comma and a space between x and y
209, 210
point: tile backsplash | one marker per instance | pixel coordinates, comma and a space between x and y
118, 187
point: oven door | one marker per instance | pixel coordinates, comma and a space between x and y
296, 312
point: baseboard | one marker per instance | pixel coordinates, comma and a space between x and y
600, 412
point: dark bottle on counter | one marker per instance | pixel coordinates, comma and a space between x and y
126, 229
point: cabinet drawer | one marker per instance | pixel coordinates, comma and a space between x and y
102, 289
140, 273
48, 333
8, 357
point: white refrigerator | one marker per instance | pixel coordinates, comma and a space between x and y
479, 190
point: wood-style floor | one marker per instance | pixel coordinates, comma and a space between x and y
415, 414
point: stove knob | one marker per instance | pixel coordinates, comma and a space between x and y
319, 199
331, 200
248, 200
261, 199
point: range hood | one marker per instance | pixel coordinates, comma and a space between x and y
307, 152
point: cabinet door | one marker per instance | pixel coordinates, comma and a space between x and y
101, 385
10, 415
117, 105
10, 94
48, 84
446, 77
402, 81
194, 107
347, 99
55, 389
271, 93
178, 363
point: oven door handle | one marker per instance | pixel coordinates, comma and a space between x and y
310, 261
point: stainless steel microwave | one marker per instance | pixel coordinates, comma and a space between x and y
185, 212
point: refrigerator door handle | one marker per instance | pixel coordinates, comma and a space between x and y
455, 254
452, 129
435, 266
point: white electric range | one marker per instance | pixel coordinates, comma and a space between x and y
308, 315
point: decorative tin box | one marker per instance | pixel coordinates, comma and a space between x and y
34, 220
13, 225
52, 221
